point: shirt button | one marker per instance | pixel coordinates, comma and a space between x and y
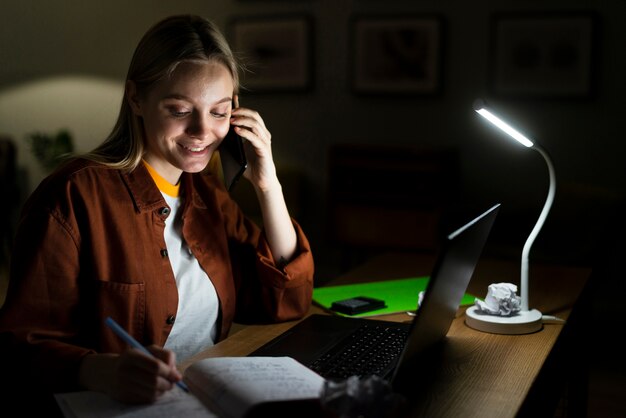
164, 211
164, 253
170, 320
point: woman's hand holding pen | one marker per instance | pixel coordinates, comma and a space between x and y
131, 377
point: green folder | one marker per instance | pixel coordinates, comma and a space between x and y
400, 295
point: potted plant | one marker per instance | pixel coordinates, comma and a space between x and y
50, 149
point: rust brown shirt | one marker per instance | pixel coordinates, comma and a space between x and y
90, 244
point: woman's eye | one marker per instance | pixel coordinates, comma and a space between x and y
178, 112
219, 115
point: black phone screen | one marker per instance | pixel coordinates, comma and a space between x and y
233, 158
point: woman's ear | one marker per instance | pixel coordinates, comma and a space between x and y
132, 97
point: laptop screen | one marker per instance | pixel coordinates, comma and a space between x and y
448, 282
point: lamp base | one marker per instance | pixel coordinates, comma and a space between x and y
525, 322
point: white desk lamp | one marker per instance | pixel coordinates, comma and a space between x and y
525, 321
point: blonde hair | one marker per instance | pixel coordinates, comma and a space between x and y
164, 46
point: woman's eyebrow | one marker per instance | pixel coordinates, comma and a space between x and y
225, 99
177, 96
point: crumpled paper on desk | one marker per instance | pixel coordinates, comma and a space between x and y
501, 300
370, 397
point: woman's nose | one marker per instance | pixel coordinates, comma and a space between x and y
199, 126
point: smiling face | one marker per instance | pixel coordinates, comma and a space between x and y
185, 117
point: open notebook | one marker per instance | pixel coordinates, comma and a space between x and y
338, 347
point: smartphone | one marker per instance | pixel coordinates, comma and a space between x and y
357, 305
233, 158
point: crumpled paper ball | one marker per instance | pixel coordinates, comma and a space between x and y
367, 397
501, 300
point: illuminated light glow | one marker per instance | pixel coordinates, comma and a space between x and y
505, 127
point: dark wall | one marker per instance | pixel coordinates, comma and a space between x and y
584, 136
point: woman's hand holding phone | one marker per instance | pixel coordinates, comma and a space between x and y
232, 156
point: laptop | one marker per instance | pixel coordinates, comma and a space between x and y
337, 347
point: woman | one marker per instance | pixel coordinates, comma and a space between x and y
141, 231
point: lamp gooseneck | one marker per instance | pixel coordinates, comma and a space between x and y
535, 231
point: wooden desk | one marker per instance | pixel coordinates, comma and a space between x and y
481, 375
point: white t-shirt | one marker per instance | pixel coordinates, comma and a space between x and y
195, 327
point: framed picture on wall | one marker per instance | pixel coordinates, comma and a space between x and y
543, 55
277, 52
396, 54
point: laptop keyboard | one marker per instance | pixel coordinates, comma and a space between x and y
371, 350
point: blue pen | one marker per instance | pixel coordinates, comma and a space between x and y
134, 343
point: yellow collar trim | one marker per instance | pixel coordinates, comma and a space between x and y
164, 186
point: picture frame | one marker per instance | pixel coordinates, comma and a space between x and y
397, 55
547, 55
277, 52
